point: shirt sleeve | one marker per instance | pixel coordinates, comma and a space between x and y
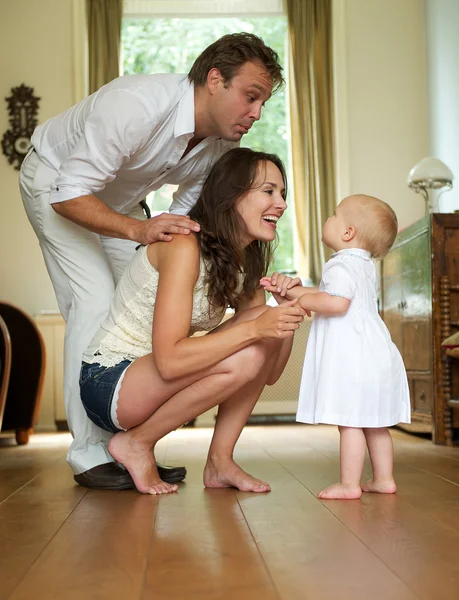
338, 281
186, 196
117, 127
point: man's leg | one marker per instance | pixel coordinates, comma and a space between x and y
83, 284
83, 280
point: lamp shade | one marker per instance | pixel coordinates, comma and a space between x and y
430, 177
430, 172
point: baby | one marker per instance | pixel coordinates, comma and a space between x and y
353, 374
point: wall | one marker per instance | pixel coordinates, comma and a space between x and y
382, 111
443, 85
36, 48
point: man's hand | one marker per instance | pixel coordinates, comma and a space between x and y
158, 229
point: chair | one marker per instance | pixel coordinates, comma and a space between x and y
5, 365
28, 361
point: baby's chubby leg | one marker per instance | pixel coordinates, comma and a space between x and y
381, 452
352, 455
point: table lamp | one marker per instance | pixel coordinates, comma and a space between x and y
431, 177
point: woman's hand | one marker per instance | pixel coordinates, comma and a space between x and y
279, 285
280, 321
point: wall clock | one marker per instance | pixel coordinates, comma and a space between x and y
22, 110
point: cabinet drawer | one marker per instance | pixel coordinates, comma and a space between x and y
421, 390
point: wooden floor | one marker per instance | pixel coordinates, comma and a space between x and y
61, 541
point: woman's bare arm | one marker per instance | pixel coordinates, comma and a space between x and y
176, 354
285, 348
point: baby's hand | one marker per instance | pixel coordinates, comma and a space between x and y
265, 282
279, 285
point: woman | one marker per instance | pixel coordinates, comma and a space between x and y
143, 374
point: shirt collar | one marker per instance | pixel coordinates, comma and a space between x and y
359, 252
185, 122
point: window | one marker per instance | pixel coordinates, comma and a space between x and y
170, 45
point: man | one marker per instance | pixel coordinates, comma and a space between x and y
91, 166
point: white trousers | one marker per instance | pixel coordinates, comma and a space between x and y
84, 268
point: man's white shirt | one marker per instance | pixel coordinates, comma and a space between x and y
127, 140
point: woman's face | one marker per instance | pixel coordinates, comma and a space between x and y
263, 205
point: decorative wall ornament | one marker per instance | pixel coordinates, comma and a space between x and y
22, 109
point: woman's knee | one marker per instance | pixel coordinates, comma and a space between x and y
247, 363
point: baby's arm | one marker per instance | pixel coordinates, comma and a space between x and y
300, 290
324, 304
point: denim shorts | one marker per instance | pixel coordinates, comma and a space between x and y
97, 387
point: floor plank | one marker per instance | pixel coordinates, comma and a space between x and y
202, 546
30, 519
59, 540
415, 532
21, 464
309, 552
99, 552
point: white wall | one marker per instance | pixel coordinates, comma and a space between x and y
382, 112
36, 48
443, 84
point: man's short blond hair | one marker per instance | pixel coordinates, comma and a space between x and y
376, 224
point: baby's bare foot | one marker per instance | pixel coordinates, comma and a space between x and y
379, 487
139, 461
340, 491
226, 473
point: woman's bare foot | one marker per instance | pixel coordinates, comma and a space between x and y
340, 491
226, 473
139, 461
379, 487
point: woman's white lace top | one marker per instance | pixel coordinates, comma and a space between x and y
127, 331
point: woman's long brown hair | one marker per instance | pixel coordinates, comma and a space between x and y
222, 227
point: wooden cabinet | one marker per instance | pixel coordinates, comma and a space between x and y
411, 308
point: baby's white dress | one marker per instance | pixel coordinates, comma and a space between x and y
353, 374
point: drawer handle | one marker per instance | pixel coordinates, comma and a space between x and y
422, 396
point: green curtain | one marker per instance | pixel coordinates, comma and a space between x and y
104, 40
312, 127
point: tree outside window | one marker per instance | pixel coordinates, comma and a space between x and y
170, 45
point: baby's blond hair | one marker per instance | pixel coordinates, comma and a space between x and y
375, 222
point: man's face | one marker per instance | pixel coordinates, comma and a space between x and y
236, 104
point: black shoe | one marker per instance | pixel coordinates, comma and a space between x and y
111, 477
105, 477
171, 474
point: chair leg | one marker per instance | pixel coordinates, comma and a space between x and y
22, 436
